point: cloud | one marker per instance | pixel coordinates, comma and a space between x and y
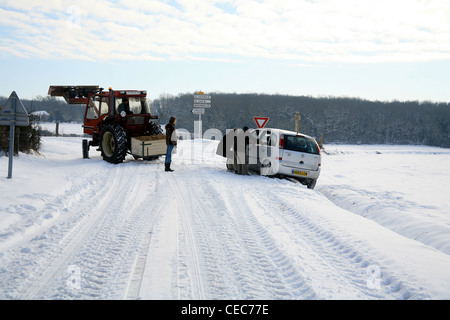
300, 31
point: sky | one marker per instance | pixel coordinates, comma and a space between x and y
377, 50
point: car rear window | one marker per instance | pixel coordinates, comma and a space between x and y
301, 144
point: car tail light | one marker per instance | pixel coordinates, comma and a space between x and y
281, 141
318, 147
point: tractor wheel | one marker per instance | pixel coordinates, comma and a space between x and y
113, 143
85, 149
154, 129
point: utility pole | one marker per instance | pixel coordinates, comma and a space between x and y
297, 119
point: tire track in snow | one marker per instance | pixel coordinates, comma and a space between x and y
183, 198
102, 238
218, 257
200, 265
352, 272
272, 268
76, 237
46, 253
237, 256
123, 239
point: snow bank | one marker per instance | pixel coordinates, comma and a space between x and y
403, 188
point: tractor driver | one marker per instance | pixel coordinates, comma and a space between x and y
125, 106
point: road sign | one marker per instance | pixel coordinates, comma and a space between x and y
261, 121
13, 112
203, 105
201, 96
198, 111
201, 101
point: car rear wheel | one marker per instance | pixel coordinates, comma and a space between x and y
311, 183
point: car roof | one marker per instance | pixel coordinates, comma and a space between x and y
283, 131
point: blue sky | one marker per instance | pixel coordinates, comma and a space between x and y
377, 50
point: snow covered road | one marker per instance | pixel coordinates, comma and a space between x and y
73, 228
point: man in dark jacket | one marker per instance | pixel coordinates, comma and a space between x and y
171, 142
241, 149
244, 157
125, 106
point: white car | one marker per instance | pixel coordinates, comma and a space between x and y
285, 153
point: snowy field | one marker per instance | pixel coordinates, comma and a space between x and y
377, 226
65, 128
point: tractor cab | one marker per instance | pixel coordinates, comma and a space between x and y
129, 108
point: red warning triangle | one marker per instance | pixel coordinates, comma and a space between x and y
261, 121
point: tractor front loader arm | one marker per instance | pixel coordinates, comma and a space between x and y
73, 94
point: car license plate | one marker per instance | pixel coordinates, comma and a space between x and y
300, 173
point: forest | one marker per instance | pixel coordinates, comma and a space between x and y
334, 119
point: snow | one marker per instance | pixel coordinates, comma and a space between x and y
377, 226
404, 188
65, 128
40, 113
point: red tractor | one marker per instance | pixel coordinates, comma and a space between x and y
119, 122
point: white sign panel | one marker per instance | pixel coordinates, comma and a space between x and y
198, 111
201, 101
202, 105
201, 96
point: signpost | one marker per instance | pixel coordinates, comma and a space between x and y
13, 114
297, 119
201, 102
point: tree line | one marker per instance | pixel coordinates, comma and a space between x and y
335, 119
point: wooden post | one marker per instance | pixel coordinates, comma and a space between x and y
297, 119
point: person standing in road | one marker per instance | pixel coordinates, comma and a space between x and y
242, 138
225, 149
236, 146
245, 161
171, 142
